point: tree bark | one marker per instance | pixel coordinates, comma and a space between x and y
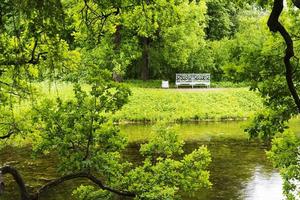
297, 3
145, 59
6, 136
18, 179
276, 26
117, 41
25, 195
118, 37
145, 69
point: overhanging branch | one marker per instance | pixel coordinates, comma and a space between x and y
25, 195
13, 128
275, 26
18, 179
88, 176
7, 135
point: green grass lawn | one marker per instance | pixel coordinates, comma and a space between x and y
180, 105
157, 84
175, 105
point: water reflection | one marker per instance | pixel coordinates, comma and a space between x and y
203, 131
264, 186
239, 171
239, 168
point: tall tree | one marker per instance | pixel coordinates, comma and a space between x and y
276, 26
79, 129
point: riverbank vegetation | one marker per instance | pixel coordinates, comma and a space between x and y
149, 104
94, 45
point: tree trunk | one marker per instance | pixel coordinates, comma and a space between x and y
276, 26
35, 196
145, 59
18, 179
117, 41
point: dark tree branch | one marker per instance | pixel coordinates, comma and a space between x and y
19, 180
6, 136
36, 60
33, 61
96, 16
101, 15
26, 196
88, 176
13, 128
4, 83
33, 50
296, 3
276, 26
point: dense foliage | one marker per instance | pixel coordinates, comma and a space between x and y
86, 141
92, 42
285, 154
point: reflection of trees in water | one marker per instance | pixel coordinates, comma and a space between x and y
264, 184
234, 163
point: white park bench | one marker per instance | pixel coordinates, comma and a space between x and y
193, 79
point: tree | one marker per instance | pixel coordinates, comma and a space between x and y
221, 19
276, 26
36, 42
285, 151
141, 39
285, 154
256, 56
280, 91
89, 146
30, 43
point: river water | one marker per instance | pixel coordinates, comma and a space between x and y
239, 168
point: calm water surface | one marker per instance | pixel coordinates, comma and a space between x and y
239, 170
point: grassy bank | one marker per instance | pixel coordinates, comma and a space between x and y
157, 84
181, 105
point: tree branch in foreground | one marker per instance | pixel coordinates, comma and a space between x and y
18, 179
7, 135
275, 26
25, 195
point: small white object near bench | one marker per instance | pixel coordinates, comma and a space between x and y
193, 79
165, 84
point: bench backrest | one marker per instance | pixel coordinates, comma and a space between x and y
193, 78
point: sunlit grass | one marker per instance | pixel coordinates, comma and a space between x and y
190, 105
149, 104
153, 104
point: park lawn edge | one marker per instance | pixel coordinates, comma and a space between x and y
150, 105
